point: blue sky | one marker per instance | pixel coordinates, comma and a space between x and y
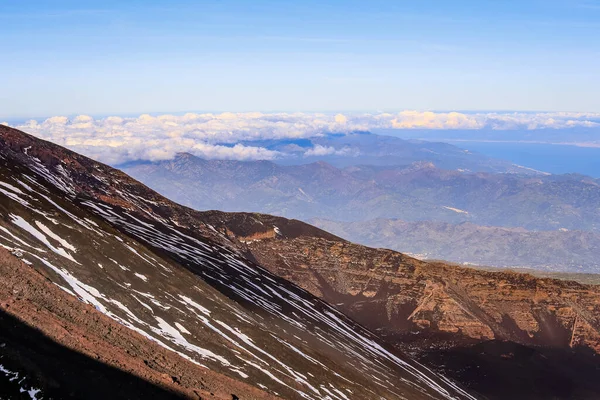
117, 57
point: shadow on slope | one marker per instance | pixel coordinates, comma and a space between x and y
506, 370
60, 372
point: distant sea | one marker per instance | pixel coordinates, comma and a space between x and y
553, 158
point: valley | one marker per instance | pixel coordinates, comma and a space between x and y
543, 222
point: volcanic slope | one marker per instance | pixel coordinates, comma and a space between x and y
480, 327
159, 270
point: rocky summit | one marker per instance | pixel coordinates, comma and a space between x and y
109, 290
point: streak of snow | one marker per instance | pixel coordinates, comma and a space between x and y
26, 186
456, 210
21, 223
142, 277
182, 328
15, 197
70, 215
88, 293
54, 236
11, 187
197, 306
143, 304
173, 335
20, 240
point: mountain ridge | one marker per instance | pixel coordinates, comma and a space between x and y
479, 325
159, 269
414, 192
349, 149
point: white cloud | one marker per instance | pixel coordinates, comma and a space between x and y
341, 119
431, 120
118, 139
237, 152
499, 121
83, 119
319, 150
57, 120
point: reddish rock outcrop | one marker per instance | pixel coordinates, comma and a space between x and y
404, 298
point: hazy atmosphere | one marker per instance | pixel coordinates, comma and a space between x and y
309, 200
117, 58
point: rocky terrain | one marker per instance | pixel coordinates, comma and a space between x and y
478, 326
126, 282
558, 250
86, 354
117, 279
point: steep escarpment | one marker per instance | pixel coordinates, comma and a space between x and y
435, 298
439, 311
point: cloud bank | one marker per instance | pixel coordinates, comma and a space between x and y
115, 140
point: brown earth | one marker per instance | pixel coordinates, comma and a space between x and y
399, 295
29, 299
456, 319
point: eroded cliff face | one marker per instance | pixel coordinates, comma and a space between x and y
421, 304
503, 335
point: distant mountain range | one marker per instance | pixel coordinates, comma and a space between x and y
545, 222
365, 148
562, 250
416, 192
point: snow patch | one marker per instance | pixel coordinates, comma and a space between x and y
456, 210
182, 328
54, 236
21, 223
172, 334
142, 277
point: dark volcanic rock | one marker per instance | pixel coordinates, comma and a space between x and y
506, 370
